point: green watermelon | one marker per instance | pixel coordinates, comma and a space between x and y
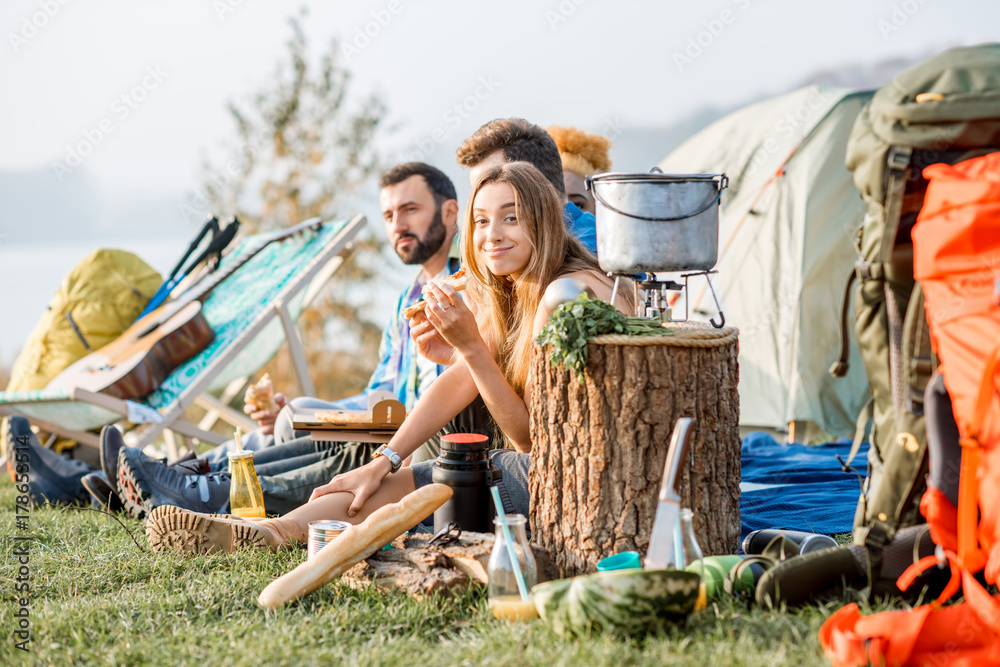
623, 602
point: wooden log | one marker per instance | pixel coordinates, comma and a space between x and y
599, 446
420, 570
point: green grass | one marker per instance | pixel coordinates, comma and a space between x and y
97, 599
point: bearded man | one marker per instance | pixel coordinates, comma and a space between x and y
420, 209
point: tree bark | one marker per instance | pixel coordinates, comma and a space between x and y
599, 448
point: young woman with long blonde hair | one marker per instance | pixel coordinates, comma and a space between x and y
514, 245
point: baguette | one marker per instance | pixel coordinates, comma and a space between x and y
457, 280
354, 545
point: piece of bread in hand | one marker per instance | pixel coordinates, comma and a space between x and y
261, 395
457, 280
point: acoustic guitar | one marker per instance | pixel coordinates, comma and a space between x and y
135, 363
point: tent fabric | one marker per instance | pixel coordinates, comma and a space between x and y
785, 252
798, 487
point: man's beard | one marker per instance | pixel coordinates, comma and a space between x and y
425, 247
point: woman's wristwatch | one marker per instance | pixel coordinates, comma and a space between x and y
393, 457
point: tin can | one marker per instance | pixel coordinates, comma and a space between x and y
757, 541
322, 533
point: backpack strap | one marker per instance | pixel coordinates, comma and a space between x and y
860, 432
917, 358
898, 161
779, 549
969, 554
840, 366
733, 583
862, 271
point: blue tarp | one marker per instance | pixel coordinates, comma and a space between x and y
799, 487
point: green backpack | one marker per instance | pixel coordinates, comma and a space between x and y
946, 109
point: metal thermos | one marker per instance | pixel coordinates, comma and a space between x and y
465, 466
755, 542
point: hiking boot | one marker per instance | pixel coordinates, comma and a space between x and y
101, 492
52, 478
189, 532
145, 483
164, 510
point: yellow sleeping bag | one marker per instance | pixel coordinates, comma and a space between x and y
96, 302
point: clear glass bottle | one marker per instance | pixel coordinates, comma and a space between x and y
687, 554
504, 597
245, 497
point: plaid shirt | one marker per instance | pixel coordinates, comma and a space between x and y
401, 370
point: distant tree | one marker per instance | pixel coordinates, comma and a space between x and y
305, 147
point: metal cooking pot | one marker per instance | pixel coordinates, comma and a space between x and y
657, 222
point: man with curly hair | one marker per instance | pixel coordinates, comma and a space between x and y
583, 154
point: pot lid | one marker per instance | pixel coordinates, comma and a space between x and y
655, 176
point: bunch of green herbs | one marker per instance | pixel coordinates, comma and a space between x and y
574, 323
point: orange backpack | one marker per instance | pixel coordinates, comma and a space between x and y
956, 244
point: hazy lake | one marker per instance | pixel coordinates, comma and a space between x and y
30, 273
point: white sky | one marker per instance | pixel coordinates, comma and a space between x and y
568, 62
65, 64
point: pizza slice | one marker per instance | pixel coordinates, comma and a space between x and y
457, 280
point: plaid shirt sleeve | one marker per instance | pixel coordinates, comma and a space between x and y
397, 371
384, 376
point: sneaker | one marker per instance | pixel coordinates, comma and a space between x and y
191, 466
101, 492
190, 532
111, 443
145, 483
52, 478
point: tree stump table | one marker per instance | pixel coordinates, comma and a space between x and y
599, 446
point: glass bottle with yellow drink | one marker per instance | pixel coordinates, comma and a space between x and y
245, 496
504, 597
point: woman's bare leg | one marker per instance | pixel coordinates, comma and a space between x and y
295, 524
190, 532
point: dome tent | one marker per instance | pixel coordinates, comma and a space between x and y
785, 252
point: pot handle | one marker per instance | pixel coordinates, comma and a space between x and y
723, 184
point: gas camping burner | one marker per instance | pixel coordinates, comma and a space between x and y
655, 302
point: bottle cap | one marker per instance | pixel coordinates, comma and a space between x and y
464, 438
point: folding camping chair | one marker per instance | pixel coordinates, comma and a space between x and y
252, 312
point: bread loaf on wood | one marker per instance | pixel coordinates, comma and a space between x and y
354, 545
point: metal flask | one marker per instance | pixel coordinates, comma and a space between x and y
464, 465
661, 539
